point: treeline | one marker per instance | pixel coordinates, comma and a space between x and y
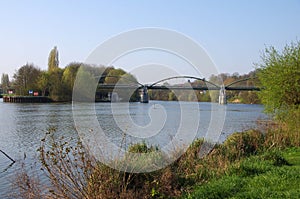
57, 83
247, 97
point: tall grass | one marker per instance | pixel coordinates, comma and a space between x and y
72, 173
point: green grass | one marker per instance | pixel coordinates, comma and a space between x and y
270, 175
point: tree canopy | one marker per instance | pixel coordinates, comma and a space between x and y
26, 78
279, 74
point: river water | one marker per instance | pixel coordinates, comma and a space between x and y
22, 126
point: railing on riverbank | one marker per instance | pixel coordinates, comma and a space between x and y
26, 99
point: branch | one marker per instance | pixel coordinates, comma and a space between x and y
7, 156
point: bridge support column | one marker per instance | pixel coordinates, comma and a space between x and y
222, 96
144, 97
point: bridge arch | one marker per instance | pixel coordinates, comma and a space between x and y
188, 77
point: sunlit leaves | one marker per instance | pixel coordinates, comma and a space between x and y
280, 78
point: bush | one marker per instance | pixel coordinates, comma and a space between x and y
243, 144
72, 173
280, 78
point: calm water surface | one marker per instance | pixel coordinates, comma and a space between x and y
22, 126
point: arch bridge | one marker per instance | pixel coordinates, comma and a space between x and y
208, 85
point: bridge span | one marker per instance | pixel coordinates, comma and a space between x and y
143, 88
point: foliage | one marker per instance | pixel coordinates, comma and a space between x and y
5, 84
58, 83
26, 78
119, 77
85, 85
57, 88
53, 60
279, 75
114, 76
44, 83
70, 73
141, 148
247, 97
74, 174
159, 94
237, 145
69, 77
257, 177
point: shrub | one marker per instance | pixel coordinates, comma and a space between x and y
243, 144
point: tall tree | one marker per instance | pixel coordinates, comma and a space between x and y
5, 83
53, 61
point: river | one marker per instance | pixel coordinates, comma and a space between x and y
22, 126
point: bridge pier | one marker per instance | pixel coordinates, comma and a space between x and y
222, 96
144, 97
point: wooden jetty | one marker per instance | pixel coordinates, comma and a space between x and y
26, 99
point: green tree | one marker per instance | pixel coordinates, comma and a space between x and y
114, 76
57, 89
204, 96
119, 76
53, 61
5, 83
85, 86
44, 83
280, 79
172, 96
26, 78
69, 76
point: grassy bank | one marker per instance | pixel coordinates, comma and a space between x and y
250, 164
274, 174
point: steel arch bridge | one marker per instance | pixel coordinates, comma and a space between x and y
134, 84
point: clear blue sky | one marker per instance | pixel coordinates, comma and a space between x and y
234, 33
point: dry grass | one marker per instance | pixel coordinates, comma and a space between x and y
72, 173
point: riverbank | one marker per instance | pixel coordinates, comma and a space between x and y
248, 164
272, 174
42, 99
26, 99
